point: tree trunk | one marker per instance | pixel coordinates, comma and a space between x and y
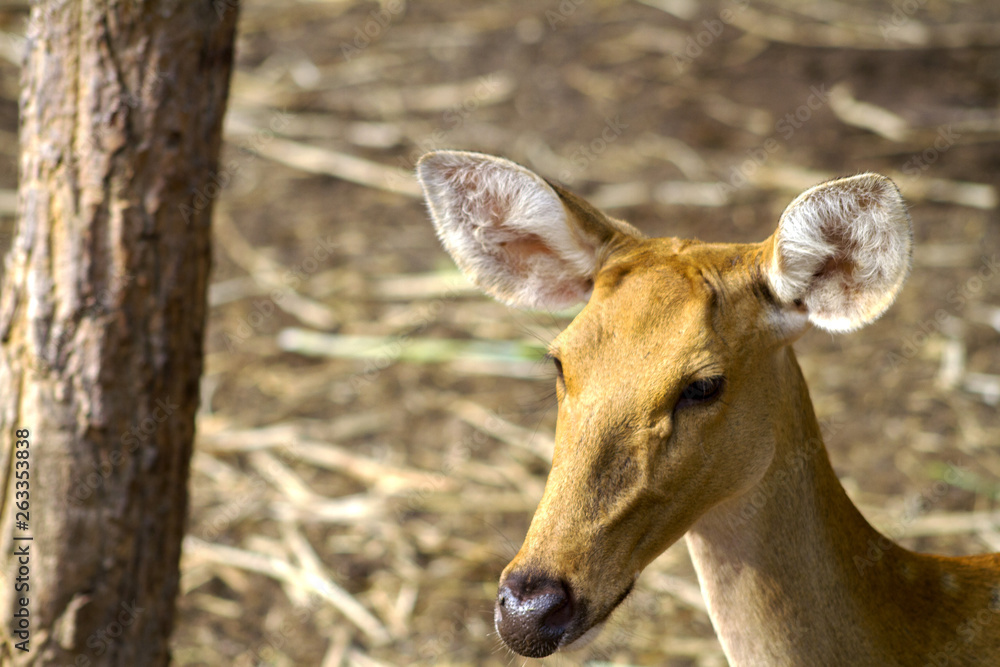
102, 319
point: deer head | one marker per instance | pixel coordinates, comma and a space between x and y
673, 384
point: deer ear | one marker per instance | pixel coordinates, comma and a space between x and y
842, 251
512, 233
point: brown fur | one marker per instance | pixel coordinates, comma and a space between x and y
630, 477
791, 571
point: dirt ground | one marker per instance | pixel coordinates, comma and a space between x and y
355, 499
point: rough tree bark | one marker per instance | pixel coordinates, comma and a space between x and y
102, 318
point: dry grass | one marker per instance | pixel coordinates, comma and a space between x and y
372, 443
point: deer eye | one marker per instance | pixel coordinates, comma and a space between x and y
702, 391
558, 364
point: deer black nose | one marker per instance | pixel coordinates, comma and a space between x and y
533, 613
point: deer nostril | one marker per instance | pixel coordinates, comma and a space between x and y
560, 613
533, 613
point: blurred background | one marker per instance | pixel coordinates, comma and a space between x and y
375, 435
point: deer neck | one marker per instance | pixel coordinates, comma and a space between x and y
777, 564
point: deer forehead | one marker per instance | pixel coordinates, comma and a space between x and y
665, 305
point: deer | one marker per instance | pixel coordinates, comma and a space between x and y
682, 411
